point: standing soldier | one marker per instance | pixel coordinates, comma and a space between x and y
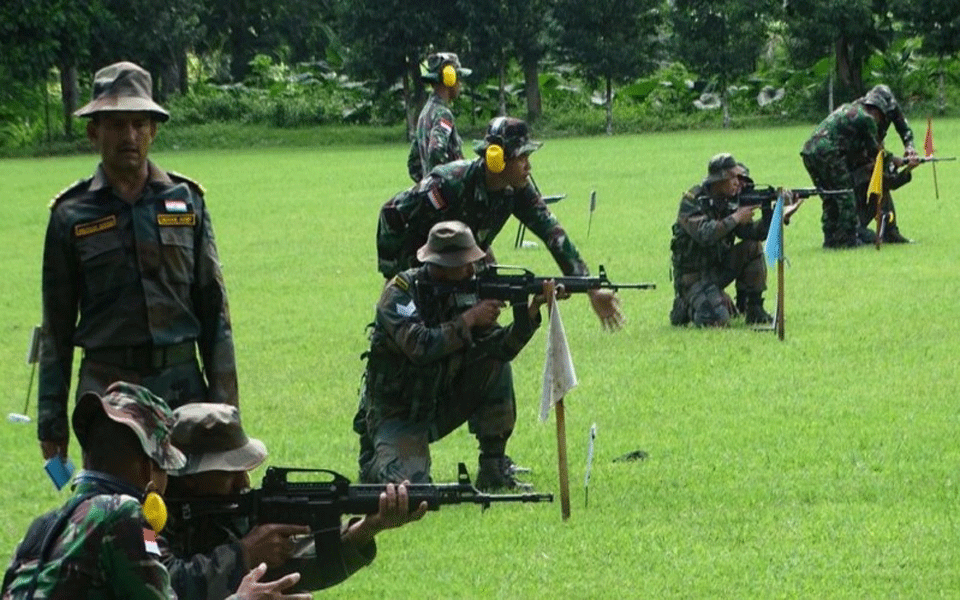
844, 142
436, 140
130, 271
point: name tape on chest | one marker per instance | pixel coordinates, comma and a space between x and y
175, 220
84, 229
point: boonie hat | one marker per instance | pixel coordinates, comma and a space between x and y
432, 69
450, 244
719, 167
512, 134
125, 87
211, 436
135, 406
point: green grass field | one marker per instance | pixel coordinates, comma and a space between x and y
826, 465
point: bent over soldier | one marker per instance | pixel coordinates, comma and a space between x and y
438, 358
130, 271
707, 255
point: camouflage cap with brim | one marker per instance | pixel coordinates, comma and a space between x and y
881, 96
212, 437
431, 70
135, 406
450, 244
512, 134
719, 167
123, 87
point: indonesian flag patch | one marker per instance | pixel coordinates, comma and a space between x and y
436, 198
150, 542
446, 125
176, 206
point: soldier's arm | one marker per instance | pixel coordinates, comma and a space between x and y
704, 231
399, 316
414, 166
60, 297
532, 211
903, 130
131, 570
441, 129
215, 574
210, 299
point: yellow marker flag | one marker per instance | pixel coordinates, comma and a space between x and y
876, 180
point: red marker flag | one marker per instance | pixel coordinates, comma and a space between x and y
928, 142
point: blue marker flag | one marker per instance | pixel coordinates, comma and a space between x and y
774, 245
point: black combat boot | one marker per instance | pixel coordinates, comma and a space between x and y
893, 236
497, 473
754, 312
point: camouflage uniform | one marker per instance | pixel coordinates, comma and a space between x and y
456, 191
436, 142
207, 562
847, 140
145, 281
204, 554
707, 257
98, 541
428, 373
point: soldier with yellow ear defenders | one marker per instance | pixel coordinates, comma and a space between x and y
483, 193
436, 140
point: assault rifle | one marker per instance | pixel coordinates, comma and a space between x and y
932, 159
764, 197
517, 284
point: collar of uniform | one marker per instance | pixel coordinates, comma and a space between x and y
154, 174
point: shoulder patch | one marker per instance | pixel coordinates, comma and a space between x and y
66, 192
400, 283
181, 177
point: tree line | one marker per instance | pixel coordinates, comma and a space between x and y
515, 45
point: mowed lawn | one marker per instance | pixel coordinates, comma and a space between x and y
826, 465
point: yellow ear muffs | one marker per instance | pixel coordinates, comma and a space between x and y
449, 76
155, 511
494, 158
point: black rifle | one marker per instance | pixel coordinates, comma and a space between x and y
319, 503
764, 197
932, 159
517, 284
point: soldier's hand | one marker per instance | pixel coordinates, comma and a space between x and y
270, 543
251, 588
51, 448
394, 509
483, 313
606, 304
744, 214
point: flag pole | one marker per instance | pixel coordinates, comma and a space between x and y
780, 298
936, 188
562, 460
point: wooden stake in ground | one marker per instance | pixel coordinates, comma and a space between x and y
558, 378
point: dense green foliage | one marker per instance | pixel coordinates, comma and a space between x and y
823, 466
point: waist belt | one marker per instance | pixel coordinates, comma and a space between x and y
144, 357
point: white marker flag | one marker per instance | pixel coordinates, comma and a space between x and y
559, 376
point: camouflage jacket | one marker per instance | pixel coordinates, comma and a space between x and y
118, 274
457, 191
899, 123
101, 553
205, 561
705, 231
420, 344
849, 134
436, 140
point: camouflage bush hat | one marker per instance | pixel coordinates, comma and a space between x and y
135, 406
719, 167
510, 133
431, 70
125, 87
211, 436
450, 244
882, 97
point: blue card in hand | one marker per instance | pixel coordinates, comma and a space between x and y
59, 470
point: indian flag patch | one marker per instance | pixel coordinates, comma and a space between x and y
175, 206
150, 542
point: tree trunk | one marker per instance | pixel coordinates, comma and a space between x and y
502, 109
609, 106
69, 92
531, 80
849, 66
942, 102
184, 84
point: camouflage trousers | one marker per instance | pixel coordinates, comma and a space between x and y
839, 219
399, 449
700, 297
176, 384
